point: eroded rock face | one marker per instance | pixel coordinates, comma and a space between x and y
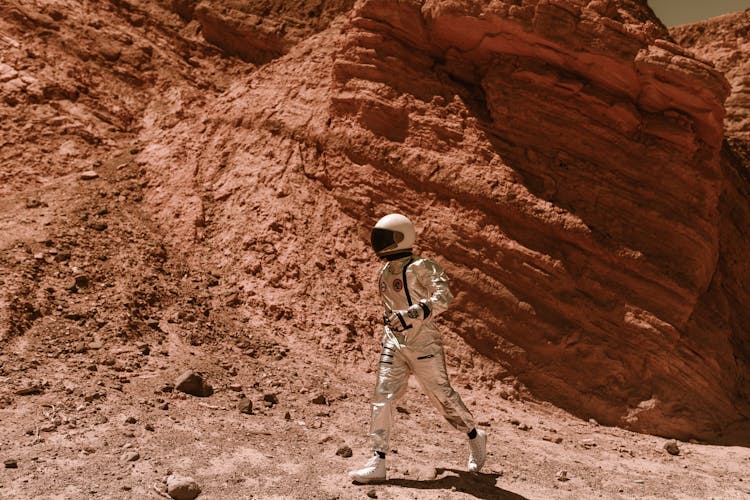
725, 41
561, 158
258, 30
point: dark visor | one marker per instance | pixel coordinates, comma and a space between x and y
384, 239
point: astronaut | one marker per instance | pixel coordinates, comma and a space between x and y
414, 291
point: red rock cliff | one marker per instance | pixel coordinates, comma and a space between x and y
563, 159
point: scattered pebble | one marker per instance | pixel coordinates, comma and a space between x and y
245, 406
593, 422
11, 463
89, 175
403, 410
344, 451
553, 439
30, 390
130, 456
372, 493
672, 447
149, 427
193, 383
131, 420
320, 400
271, 398
562, 476
182, 487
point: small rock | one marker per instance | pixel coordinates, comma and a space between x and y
422, 472
182, 488
588, 443
62, 256
99, 226
110, 52
130, 456
29, 391
33, 203
144, 348
82, 281
344, 451
89, 175
11, 463
271, 398
320, 400
562, 476
131, 420
593, 422
403, 410
245, 406
194, 384
149, 427
524, 427
287, 416
672, 447
7, 73
372, 494
70, 285
235, 387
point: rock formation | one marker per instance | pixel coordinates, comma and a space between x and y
564, 160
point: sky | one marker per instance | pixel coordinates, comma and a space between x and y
674, 12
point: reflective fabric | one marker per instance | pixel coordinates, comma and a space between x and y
417, 350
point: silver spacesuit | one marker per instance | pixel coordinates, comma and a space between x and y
414, 291
412, 344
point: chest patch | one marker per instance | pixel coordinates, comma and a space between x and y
398, 285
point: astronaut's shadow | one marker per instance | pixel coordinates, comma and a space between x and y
477, 484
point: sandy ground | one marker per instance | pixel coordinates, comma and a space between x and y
73, 440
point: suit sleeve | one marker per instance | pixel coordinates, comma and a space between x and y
432, 276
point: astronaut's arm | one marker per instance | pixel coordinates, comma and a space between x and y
434, 278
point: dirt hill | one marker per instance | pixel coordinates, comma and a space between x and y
190, 185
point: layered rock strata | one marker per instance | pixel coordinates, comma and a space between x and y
563, 159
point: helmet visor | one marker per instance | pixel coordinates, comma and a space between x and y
385, 239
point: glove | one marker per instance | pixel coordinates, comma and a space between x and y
400, 320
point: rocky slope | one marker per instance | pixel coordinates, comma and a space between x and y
564, 160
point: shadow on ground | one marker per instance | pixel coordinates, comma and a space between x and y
476, 484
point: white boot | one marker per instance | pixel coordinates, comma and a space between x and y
373, 471
477, 451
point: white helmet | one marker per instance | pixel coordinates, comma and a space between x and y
393, 234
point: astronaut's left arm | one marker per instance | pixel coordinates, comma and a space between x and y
431, 276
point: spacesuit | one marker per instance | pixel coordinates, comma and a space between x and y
414, 291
